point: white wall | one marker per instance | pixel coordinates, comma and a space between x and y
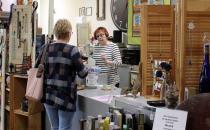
43, 11
108, 23
6, 4
69, 9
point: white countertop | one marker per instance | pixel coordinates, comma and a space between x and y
98, 94
106, 96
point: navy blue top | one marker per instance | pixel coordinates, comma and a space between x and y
62, 63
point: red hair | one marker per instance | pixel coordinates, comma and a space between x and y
103, 29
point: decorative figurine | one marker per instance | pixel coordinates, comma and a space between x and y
171, 96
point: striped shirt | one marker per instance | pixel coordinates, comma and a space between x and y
112, 53
62, 63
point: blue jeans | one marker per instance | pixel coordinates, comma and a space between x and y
59, 120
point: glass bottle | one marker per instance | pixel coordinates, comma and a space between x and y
204, 83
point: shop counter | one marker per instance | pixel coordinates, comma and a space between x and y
92, 102
95, 101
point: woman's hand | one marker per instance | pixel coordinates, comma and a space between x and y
103, 56
108, 62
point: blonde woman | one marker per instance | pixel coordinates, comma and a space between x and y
63, 62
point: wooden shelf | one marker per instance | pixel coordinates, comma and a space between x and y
19, 119
21, 76
20, 112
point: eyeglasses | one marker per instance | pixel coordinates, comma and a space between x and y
100, 35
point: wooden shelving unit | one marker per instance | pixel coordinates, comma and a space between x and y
157, 32
20, 112
9, 116
12, 93
4, 20
17, 119
198, 12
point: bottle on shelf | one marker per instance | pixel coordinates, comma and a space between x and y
111, 125
125, 127
101, 125
204, 83
24, 105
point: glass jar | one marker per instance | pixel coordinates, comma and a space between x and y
172, 96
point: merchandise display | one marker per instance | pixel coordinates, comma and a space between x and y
21, 37
190, 44
17, 53
114, 120
157, 34
164, 63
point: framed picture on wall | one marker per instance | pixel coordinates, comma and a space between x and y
88, 11
136, 20
136, 25
82, 11
100, 9
155, 1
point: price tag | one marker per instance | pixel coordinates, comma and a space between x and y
167, 119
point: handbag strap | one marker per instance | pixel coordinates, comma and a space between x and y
44, 54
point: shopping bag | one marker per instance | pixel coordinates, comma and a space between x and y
34, 90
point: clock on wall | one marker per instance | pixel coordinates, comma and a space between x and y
119, 13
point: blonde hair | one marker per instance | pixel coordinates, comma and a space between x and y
62, 29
